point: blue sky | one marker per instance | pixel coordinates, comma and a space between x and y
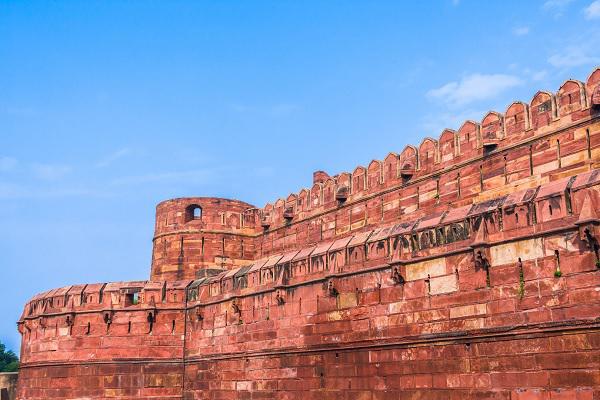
107, 108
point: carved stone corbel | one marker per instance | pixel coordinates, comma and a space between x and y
481, 251
236, 308
279, 298
151, 318
397, 276
588, 220
480, 258
331, 290
108, 317
588, 226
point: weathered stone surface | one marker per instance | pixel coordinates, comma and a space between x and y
467, 311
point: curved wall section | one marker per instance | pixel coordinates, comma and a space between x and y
196, 234
117, 340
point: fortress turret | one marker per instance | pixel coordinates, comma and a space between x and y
195, 236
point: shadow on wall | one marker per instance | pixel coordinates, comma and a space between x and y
8, 385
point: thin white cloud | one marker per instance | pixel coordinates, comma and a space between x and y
434, 124
535, 76
194, 176
520, 30
7, 164
50, 172
573, 56
472, 88
592, 11
111, 158
557, 7
552, 4
11, 191
539, 75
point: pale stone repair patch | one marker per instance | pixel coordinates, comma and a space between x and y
443, 284
509, 253
420, 270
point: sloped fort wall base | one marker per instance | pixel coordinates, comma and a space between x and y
465, 268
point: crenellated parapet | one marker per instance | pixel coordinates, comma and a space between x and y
526, 133
104, 322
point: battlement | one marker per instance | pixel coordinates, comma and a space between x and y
482, 144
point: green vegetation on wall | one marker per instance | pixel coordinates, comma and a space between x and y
9, 362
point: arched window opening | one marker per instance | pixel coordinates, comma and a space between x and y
193, 212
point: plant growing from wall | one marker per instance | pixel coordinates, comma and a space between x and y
521, 280
557, 272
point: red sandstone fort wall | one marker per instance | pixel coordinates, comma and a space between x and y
465, 268
119, 340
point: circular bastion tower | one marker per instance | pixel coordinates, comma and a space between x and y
199, 236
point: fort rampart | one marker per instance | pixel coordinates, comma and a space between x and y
467, 267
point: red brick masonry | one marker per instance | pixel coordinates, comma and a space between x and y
466, 268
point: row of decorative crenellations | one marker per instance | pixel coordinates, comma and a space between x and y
105, 297
521, 214
521, 122
104, 321
59, 323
